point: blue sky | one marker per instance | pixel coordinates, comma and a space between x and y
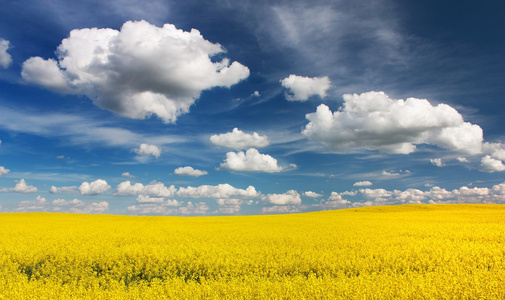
249, 107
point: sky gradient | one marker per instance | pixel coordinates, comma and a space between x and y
249, 107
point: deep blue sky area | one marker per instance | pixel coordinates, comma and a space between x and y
249, 107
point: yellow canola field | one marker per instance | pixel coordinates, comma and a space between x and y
395, 252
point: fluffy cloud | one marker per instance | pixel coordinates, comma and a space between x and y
290, 197
437, 162
189, 171
20, 187
63, 189
490, 165
3, 171
311, 194
373, 121
5, 58
220, 191
301, 88
96, 187
139, 71
250, 161
362, 183
152, 189
239, 140
145, 149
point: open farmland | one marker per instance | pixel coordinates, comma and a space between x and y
406, 252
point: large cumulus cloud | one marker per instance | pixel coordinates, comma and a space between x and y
373, 121
138, 71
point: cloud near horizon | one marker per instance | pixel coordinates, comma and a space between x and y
139, 71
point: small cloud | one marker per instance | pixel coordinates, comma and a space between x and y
388, 173
127, 175
362, 183
311, 194
60, 157
239, 140
462, 159
20, 187
437, 162
490, 165
96, 187
250, 161
145, 149
5, 58
3, 171
256, 94
189, 171
64, 189
300, 88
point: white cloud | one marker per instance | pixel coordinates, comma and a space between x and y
373, 121
256, 94
311, 194
239, 140
250, 161
96, 187
39, 204
3, 171
5, 58
63, 189
20, 187
189, 171
145, 149
220, 191
362, 183
437, 162
490, 165
139, 71
462, 159
290, 197
127, 175
152, 189
301, 88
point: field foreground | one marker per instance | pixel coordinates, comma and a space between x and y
406, 252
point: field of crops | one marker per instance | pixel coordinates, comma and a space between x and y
409, 252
